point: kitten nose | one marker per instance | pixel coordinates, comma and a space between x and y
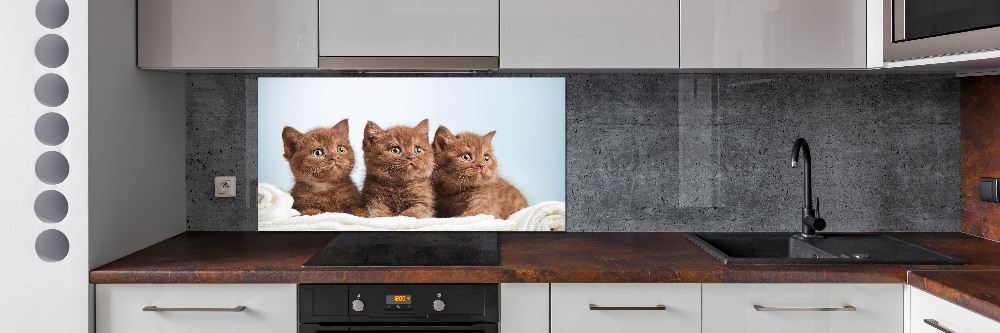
480, 166
410, 157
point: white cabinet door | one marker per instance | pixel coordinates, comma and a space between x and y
409, 28
780, 308
589, 34
227, 34
773, 34
951, 317
626, 307
524, 308
269, 308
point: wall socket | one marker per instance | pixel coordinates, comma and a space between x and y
225, 186
988, 189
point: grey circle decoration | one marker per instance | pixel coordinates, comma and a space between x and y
51, 51
51, 90
51, 129
52, 13
52, 245
52, 167
51, 206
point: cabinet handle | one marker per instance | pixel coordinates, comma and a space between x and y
233, 309
630, 308
759, 307
935, 324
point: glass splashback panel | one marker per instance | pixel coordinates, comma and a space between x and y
411, 154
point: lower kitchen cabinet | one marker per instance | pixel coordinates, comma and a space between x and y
930, 314
626, 307
195, 308
524, 308
802, 308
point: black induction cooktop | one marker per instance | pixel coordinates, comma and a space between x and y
409, 248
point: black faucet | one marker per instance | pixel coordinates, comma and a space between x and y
810, 222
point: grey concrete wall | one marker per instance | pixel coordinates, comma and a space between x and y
683, 152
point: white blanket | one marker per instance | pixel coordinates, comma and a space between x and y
273, 203
275, 213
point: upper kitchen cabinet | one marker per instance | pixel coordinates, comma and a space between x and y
584, 34
409, 34
220, 34
780, 34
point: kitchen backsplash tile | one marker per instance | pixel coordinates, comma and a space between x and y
682, 152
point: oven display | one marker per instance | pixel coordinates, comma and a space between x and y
397, 299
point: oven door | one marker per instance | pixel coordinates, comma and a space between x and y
472, 328
927, 28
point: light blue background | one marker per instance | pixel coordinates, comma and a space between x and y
529, 115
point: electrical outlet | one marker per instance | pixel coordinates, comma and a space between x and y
225, 186
988, 189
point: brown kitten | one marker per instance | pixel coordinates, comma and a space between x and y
399, 161
321, 161
466, 181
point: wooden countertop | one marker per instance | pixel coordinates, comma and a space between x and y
277, 257
978, 291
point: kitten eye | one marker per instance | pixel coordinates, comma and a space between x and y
318, 152
418, 150
486, 158
396, 150
467, 157
341, 149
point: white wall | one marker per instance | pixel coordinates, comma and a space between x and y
125, 126
37, 295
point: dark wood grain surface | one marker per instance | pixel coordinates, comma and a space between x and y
277, 257
980, 153
978, 291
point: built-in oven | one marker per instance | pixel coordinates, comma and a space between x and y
466, 308
927, 28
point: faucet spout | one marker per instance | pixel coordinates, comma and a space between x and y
803, 146
810, 222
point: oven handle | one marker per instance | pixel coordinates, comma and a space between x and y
415, 327
485, 328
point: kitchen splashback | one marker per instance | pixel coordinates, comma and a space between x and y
980, 153
681, 152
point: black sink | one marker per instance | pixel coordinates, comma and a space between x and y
787, 248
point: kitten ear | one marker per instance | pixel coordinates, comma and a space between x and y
489, 136
372, 132
341, 126
290, 137
422, 127
442, 137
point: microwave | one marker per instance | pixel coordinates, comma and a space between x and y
915, 29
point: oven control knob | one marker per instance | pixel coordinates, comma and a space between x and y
438, 305
358, 305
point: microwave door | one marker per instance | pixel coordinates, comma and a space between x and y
914, 29
916, 19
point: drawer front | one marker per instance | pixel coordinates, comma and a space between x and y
729, 308
572, 311
269, 308
408, 28
949, 316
